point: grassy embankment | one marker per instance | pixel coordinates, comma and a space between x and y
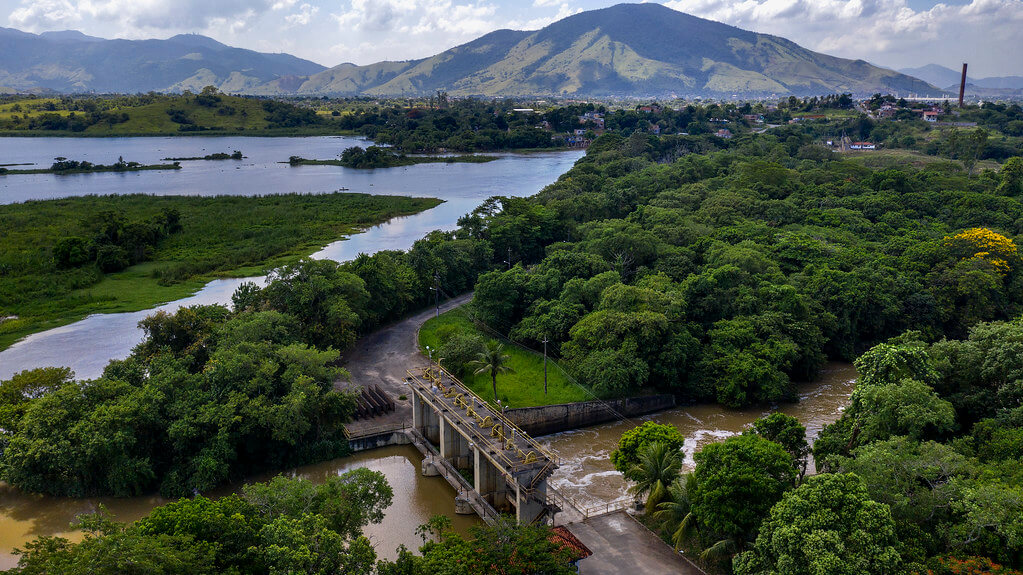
896, 158
232, 115
224, 236
521, 388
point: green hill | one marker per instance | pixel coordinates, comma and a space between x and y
150, 114
624, 50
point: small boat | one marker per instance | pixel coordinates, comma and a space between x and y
342, 189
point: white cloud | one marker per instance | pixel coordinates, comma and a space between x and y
403, 29
139, 17
564, 11
885, 32
45, 15
418, 17
303, 16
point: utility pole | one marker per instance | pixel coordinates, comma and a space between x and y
436, 291
545, 364
508, 261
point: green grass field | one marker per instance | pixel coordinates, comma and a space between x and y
523, 387
222, 236
232, 115
901, 157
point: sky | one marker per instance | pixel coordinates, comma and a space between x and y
894, 33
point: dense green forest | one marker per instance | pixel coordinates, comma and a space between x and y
374, 157
730, 274
714, 269
921, 474
724, 275
63, 259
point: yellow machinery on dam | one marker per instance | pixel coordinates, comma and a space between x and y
460, 431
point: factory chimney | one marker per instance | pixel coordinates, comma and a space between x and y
962, 86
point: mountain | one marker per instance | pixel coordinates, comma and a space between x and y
624, 50
69, 61
639, 50
949, 79
934, 74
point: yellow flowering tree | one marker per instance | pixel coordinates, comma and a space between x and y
986, 245
971, 286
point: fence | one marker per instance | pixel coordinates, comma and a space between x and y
588, 511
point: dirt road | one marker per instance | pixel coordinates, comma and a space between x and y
383, 356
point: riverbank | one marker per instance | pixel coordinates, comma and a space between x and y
220, 237
397, 161
305, 131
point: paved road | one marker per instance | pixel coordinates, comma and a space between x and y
621, 545
383, 356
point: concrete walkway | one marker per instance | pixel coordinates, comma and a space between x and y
621, 545
382, 358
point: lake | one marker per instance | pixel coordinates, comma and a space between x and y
88, 345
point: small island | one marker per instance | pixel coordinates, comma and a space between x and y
64, 166
236, 155
381, 157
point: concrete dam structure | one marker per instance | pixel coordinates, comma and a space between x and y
462, 436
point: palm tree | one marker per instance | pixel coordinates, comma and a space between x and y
677, 512
493, 361
657, 469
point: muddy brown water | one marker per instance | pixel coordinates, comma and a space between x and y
586, 473
24, 517
587, 476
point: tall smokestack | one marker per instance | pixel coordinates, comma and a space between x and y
962, 86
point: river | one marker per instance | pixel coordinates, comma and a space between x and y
416, 498
88, 345
587, 476
586, 473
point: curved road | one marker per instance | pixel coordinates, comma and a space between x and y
382, 358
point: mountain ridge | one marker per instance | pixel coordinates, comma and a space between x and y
634, 50
69, 61
943, 76
627, 49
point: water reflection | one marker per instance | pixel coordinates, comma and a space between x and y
416, 498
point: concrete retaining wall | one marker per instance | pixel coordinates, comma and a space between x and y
549, 419
377, 440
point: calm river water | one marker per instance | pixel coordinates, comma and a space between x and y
88, 345
416, 499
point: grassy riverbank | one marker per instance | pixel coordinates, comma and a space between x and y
223, 236
521, 388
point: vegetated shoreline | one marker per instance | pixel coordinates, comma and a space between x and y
217, 156
267, 133
398, 161
95, 170
147, 289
